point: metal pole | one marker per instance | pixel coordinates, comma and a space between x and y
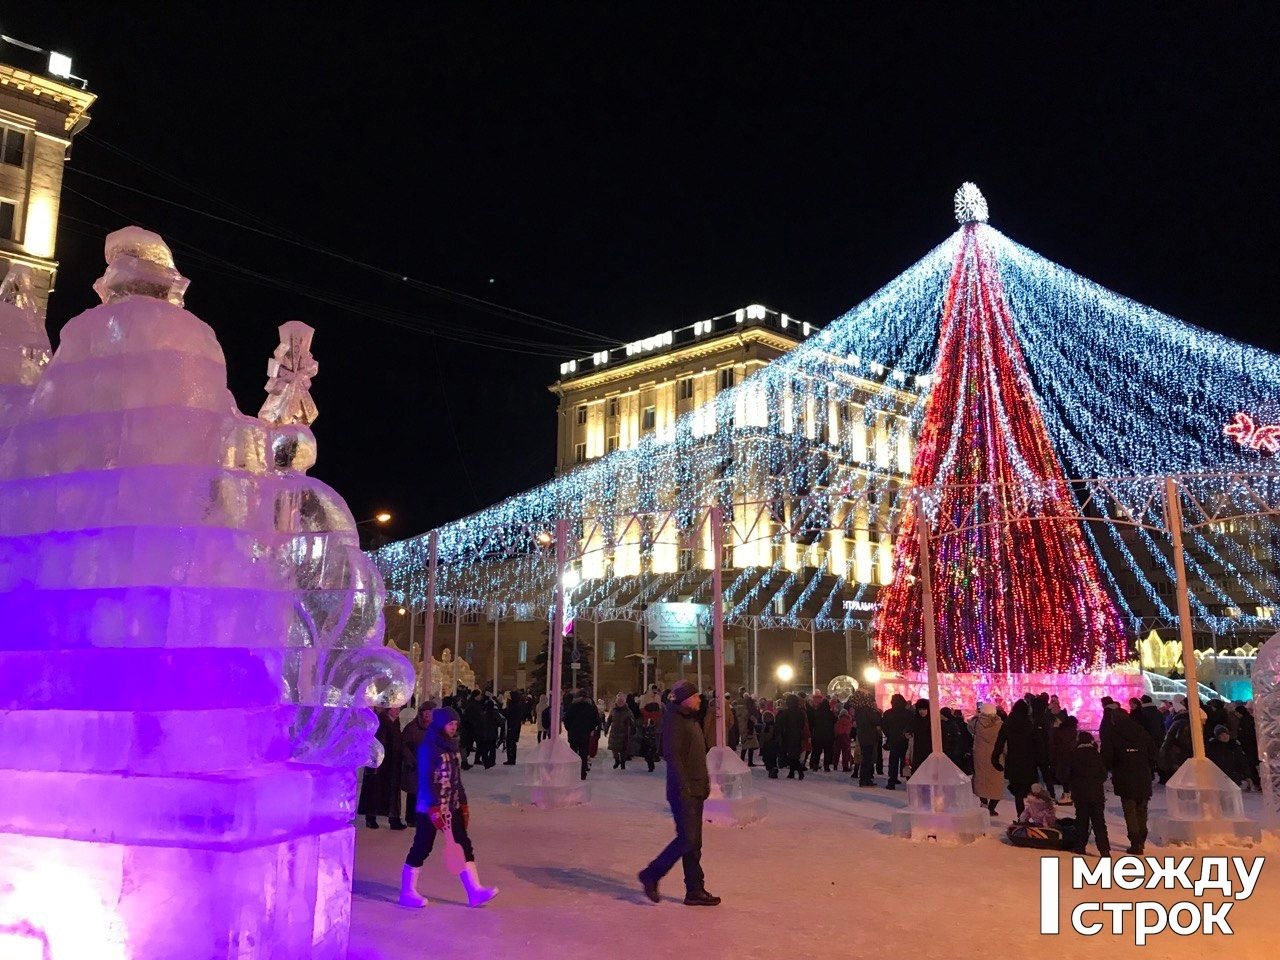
848, 652
755, 657
644, 648
457, 642
930, 640
413, 618
595, 658
813, 656
717, 622
699, 665
429, 624
1173, 500
555, 645
495, 653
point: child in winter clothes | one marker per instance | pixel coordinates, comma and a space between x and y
844, 740
443, 800
1038, 808
769, 743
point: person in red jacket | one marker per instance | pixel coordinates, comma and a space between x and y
844, 740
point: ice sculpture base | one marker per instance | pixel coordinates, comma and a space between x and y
1203, 806
552, 778
1079, 693
940, 805
733, 802
73, 900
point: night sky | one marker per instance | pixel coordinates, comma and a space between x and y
616, 170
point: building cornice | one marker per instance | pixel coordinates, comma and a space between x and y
657, 363
44, 89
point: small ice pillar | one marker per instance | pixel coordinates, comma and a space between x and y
940, 804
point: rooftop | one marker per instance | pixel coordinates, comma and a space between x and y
755, 315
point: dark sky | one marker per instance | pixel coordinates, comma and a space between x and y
628, 168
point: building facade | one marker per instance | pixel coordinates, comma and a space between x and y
809, 552
42, 107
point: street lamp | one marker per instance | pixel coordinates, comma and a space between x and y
785, 673
871, 674
381, 518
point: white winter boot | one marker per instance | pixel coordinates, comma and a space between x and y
409, 895
477, 896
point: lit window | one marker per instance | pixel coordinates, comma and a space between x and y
582, 414
610, 651
8, 213
13, 147
580, 453
726, 378
684, 388
522, 651
648, 418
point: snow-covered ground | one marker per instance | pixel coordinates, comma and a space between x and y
820, 873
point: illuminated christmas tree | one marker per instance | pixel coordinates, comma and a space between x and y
1012, 596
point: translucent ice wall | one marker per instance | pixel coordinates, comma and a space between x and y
191, 639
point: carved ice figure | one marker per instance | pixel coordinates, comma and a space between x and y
289, 373
192, 639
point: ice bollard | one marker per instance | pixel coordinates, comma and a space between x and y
1203, 806
552, 777
733, 802
940, 804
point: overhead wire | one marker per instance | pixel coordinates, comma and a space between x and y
272, 232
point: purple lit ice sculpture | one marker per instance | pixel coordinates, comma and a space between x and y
191, 639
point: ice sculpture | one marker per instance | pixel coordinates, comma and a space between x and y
191, 641
24, 345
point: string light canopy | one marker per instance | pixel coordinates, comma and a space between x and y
810, 459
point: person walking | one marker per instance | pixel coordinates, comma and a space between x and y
650, 725
822, 727
921, 735
844, 740
896, 724
747, 719
988, 780
380, 789
866, 721
620, 727
443, 800
769, 742
1019, 740
1062, 744
684, 750
487, 725
790, 729
1086, 776
513, 716
410, 741
544, 704
1130, 755
581, 719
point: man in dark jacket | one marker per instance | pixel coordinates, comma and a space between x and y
1086, 776
822, 729
487, 725
513, 716
581, 718
789, 731
1130, 754
684, 749
896, 724
866, 725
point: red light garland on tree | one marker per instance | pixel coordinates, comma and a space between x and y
1024, 596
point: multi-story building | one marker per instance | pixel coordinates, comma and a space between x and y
42, 107
783, 533
612, 399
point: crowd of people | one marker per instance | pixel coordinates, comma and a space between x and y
1032, 749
